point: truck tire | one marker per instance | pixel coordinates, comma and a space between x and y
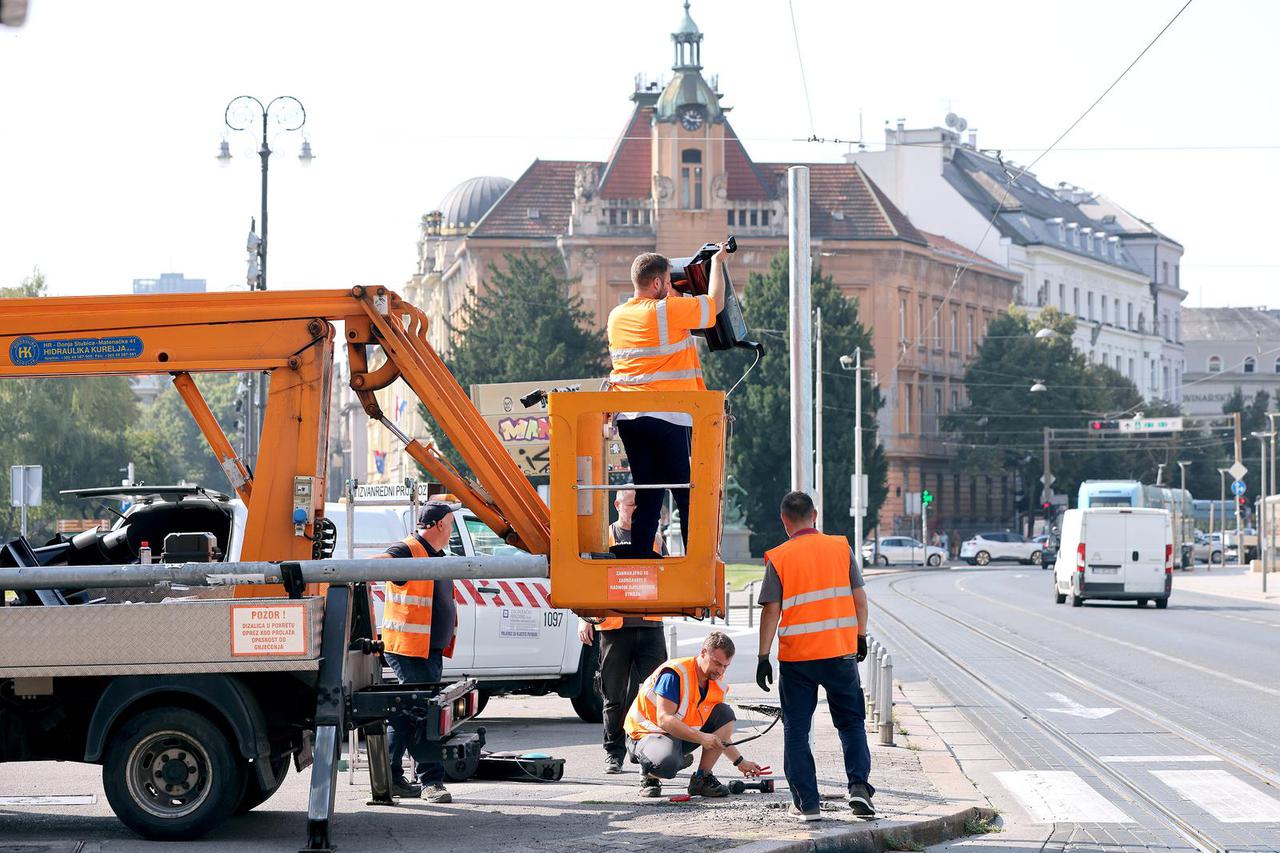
1076, 601
171, 774
254, 794
589, 703
1059, 597
1162, 603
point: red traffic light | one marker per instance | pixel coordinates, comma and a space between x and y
1104, 426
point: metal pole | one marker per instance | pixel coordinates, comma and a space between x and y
1182, 508
673, 647
1046, 493
859, 499
818, 479
1222, 519
1239, 440
22, 496
800, 327
1271, 419
260, 572
886, 701
1262, 503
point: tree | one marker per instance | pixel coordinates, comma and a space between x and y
524, 324
165, 444
1253, 418
762, 403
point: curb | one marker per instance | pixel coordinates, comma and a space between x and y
931, 825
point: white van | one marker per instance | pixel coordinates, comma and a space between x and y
1115, 553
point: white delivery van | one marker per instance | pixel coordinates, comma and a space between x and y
1115, 553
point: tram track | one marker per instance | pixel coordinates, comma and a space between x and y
1197, 837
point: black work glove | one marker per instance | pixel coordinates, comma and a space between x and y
764, 673
862, 647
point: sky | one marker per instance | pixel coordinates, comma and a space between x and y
112, 114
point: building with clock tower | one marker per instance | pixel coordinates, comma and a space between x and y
679, 176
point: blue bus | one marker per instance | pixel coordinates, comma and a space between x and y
1178, 503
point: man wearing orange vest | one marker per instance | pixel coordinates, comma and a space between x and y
418, 623
679, 708
652, 350
630, 647
813, 599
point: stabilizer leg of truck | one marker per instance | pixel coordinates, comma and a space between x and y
330, 711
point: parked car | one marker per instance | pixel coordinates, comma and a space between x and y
1117, 553
1049, 550
985, 548
1207, 547
903, 550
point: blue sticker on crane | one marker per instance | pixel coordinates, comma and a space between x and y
26, 351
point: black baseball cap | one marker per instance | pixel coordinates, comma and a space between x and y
436, 509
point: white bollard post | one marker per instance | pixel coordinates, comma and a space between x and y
886, 701
873, 659
751, 604
671, 642
876, 674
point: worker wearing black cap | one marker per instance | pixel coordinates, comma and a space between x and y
418, 624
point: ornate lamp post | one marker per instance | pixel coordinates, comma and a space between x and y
241, 114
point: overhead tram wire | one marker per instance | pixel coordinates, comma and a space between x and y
1011, 179
804, 82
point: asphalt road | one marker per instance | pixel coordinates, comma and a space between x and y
1106, 727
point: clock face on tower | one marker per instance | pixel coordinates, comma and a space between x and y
691, 118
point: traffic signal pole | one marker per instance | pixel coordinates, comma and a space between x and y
1046, 479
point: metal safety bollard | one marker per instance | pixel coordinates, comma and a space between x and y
873, 649
751, 604
875, 684
671, 642
886, 701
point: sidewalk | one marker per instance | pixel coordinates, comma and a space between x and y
1230, 582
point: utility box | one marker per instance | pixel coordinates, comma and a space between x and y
190, 548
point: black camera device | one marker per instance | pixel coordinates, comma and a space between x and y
691, 276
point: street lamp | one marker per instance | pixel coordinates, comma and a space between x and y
858, 506
1046, 334
1263, 437
240, 115
1039, 387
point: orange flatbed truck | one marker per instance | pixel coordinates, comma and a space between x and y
291, 336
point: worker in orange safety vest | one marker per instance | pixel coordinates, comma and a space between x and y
630, 647
679, 708
651, 349
813, 598
418, 622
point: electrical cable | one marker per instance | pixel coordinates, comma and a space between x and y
800, 61
759, 350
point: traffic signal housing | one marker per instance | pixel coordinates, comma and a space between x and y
1104, 426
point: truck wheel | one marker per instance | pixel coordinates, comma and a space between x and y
1077, 601
1059, 597
1142, 602
171, 774
589, 703
254, 794
1162, 603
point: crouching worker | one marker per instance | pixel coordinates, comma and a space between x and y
679, 708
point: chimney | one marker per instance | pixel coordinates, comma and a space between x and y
973, 138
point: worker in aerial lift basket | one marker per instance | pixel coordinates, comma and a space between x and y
418, 623
813, 598
679, 708
651, 349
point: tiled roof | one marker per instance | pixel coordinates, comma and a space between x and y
630, 167
950, 248
537, 205
844, 204
745, 182
1236, 325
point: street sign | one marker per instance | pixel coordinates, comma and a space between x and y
912, 504
1151, 425
25, 482
1047, 480
1237, 471
926, 497
1238, 488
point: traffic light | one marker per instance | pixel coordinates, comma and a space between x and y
1240, 500
1104, 426
926, 497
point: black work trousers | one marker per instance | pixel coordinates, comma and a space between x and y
627, 657
658, 452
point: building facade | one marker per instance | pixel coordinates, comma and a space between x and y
1226, 349
170, 282
677, 177
1127, 311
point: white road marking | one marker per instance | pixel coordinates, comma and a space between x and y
1227, 798
1159, 759
1075, 709
1060, 796
51, 800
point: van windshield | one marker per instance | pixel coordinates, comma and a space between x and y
1110, 500
485, 541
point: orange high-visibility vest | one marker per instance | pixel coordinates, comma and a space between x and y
642, 718
610, 623
406, 616
650, 344
819, 619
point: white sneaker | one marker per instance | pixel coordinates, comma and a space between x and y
793, 811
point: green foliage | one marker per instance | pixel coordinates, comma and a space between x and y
165, 444
759, 460
31, 286
525, 324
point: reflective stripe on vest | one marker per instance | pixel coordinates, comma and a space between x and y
819, 619
406, 615
642, 717
647, 354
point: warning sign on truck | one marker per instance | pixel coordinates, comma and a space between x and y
268, 630
633, 583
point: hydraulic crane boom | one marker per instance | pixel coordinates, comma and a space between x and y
289, 335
